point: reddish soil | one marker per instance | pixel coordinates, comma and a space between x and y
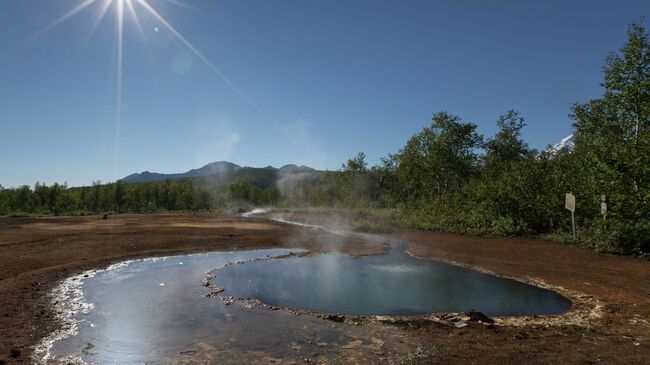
620, 333
611, 322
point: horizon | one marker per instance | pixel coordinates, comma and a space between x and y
303, 83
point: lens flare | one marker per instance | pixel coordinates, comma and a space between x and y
136, 9
65, 17
198, 54
119, 9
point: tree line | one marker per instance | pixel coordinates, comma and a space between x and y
119, 197
449, 177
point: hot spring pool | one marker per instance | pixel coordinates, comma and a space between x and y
157, 310
393, 284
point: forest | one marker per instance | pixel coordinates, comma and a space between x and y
448, 177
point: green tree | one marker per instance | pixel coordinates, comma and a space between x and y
439, 159
507, 145
118, 196
356, 164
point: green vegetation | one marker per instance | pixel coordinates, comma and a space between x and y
169, 195
447, 177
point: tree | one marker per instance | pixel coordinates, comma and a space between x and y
382, 177
356, 164
94, 198
507, 145
118, 196
23, 201
244, 191
439, 159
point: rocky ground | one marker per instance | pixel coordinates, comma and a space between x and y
610, 322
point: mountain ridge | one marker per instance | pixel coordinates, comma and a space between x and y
212, 169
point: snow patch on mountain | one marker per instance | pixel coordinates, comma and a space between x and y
566, 142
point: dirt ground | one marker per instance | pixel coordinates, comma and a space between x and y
610, 322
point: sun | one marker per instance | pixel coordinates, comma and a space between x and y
135, 9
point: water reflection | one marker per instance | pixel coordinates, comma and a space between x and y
136, 320
156, 311
393, 284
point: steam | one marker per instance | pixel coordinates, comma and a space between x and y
254, 211
217, 136
396, 268
288, 183
302, 143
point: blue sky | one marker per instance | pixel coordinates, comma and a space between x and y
317, 81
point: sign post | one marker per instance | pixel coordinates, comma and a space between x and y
603, 209
570, 204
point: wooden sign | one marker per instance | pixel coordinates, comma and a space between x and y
570, 202
603, 205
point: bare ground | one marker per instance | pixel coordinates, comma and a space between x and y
610, 323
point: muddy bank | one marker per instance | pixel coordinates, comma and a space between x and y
36, 253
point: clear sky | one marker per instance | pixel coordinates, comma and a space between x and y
310, 82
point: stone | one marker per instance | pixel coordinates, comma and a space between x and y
459, 324
335, 317
476, 316
215, 291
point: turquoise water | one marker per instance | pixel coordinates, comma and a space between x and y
392, 284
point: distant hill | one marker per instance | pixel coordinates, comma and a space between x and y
224, 173
295, 168
209, 169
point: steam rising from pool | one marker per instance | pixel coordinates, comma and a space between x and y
255, 211
398, 268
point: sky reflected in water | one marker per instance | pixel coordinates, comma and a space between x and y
157, 311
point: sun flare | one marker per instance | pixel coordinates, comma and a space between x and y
136, 10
